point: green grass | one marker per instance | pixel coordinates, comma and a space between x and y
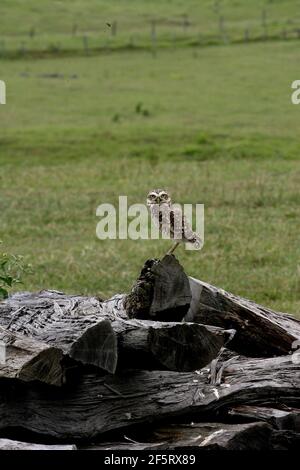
48, 26
220, 130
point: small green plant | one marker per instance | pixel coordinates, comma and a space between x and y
116, 117
12, 267
139, 109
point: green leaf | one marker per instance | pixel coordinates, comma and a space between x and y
3, 293
7, 279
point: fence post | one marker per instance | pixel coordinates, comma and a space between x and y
85, 44
185, 23
2, 101
222, 29
114, 29
246, 35
131, 41
74, 29
199, 39
32, 32
174, 39
216, 7
264, 24
22, 48
153, 37
2, 47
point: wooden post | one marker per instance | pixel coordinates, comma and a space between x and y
264, 24
2, 47
216, 7
131, 41
174, 40
185, 23
32, 32
85, 44
74, 29
22, 48
153, 30
114, 29
153, 38
222, 29
107, 45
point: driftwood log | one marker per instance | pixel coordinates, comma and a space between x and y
94, 404
172, 346
37, 332
163, 288
261, 332
174, 350
286, 418
69, 325
198, 436
9, 444
28, 359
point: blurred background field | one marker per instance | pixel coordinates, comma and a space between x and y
193, 96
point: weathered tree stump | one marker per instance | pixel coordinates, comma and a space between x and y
162, 292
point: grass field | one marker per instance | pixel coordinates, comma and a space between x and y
219, 129
59, 26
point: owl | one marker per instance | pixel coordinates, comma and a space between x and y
170, 220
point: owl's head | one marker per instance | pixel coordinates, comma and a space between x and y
158, 196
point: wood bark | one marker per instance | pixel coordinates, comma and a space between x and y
260, 332
157, 345
95, 404
197, 436
46, 326
28, 359
69, 324
285, 440
162, 291
8, 444
287, 418
127, 361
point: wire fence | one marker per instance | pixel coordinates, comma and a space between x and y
153, 38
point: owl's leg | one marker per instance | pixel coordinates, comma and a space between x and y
171, 250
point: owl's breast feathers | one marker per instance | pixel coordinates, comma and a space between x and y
173, 223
